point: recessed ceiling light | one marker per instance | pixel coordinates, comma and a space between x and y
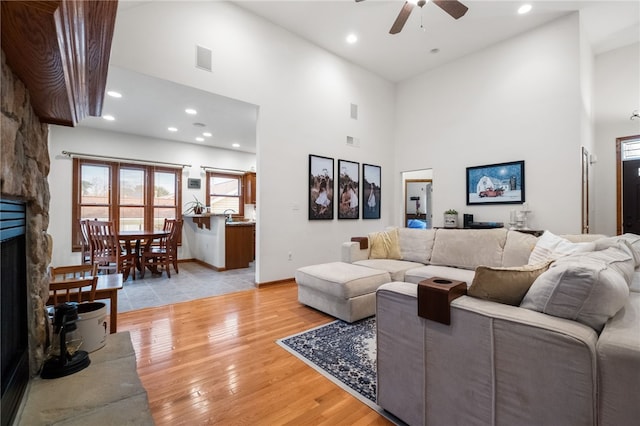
108, 117
352, 38
172, 129
191, 111
525, 8
207, 134
199, 139
236, 145
114, 94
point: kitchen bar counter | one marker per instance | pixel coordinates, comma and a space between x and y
220, 244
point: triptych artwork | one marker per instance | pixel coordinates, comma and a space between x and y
349, 197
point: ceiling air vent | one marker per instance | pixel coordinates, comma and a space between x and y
203, 58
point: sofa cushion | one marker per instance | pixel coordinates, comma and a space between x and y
585, 290
518, 248
551, 247
416, 275
395, 268
505, 285
468, 249
416, 244
617, 257
343, 280
384, 245
632, 241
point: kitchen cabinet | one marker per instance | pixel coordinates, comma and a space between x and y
249, 185
239, 244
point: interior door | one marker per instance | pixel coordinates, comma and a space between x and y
631, 196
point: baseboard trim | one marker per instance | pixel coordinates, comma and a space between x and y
283, 281
202, 263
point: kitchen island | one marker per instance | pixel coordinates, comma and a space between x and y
220, 244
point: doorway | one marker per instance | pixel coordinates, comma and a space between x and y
417, 190
628, 184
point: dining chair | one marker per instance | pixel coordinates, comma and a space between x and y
85, 247
106, 251
166, 253
67, 283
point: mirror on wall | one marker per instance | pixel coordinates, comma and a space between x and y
417, 195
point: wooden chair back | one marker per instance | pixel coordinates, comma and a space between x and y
68, 282
105, 246
84, 242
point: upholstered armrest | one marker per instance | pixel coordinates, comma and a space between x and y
510, 352
351, 252
619, 366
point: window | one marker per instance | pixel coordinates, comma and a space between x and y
631, 150
133, 196
225, 193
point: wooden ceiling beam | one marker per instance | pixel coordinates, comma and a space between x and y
60, 50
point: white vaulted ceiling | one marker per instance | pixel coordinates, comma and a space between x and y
607, 25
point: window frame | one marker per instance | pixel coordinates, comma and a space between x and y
239, 177
114, 193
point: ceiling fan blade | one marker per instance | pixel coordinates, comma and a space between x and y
452, 7
402, 18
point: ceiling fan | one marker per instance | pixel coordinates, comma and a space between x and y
452, 7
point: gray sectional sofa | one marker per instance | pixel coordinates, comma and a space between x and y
549, 332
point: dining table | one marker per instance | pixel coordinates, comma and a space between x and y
107, 287
136, 241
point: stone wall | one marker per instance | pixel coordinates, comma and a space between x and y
25, 167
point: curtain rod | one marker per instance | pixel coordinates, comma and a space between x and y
222, 170
107, 157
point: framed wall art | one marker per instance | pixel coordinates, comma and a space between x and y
348, 190
501, 183
371, 191
320, 188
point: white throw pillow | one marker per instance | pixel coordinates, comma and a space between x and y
585, 290
552, 247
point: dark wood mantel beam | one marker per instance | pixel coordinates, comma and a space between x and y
60, 50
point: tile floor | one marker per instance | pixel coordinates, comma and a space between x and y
193, 282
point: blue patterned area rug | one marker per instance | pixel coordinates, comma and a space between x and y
345, 354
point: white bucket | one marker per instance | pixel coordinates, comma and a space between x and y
92, 325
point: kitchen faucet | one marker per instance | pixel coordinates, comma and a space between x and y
231, 211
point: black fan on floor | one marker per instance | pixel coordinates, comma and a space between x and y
452, 7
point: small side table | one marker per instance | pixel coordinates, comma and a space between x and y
435, 296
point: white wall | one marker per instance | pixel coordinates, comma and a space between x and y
617, 89
99, 142
517, 100
304, 94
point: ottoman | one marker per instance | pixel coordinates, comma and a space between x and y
343, 290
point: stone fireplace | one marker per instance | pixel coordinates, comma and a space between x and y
25, 166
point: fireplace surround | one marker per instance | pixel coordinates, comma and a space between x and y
25, 165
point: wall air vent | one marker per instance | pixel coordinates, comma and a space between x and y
354, 111
351, 141
203, 58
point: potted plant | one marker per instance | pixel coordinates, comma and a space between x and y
451, 218
195, 207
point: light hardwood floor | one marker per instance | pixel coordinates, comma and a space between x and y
215, 361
